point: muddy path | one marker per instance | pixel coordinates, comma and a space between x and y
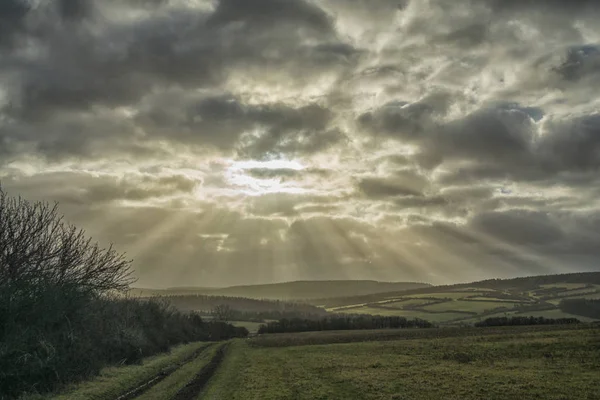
195, 386
139, 390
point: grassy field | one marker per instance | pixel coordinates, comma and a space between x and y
511, 363
407, 303
471, 304
446, 295
251, 326
525, 362
432, 317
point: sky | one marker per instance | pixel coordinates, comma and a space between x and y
239, 142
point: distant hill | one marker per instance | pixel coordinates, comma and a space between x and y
468, 303
297, 290
465, 303
514, 284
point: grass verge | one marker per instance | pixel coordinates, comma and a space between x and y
116, 381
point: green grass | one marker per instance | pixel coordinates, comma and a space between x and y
349, 306
470, 306
566, 286
473, 289
447, 295
115, 381
518, 364
409, 302
251, 326
227, 378
479, 307
167, 388
497, 299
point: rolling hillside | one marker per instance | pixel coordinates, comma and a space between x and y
472, 302
297, 290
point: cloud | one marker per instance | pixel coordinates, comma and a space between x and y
403, 183
93, 190
519, 227
294, 139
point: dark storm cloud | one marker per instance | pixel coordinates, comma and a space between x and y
500, 141
71, 134
12, 19
75, 9
90, 190
261, 12
407, 121
567, 151
580, 62
519, 227
404, 183
183, 46
573, 144
491, 132
221, 120
549, 5
78, 68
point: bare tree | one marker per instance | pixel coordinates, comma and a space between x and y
223, 312
38, 247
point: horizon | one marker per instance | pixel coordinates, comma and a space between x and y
223, 143
353, 280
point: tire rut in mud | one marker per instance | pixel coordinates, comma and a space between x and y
139, 390
195, 386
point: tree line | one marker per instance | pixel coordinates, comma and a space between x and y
513, 321
62, 313
245, 307
585, 307
342, 323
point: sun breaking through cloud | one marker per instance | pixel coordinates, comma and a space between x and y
234, 141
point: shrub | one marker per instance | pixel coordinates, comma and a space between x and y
513, 321
342, 323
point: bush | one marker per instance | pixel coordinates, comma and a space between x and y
61, 316
342, 323
514, 321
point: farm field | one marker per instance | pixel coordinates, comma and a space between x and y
468, 306
407, 303
251, 326
526, 362
508, 363
469, 303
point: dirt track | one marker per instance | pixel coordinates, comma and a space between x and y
132, 394
195, 386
